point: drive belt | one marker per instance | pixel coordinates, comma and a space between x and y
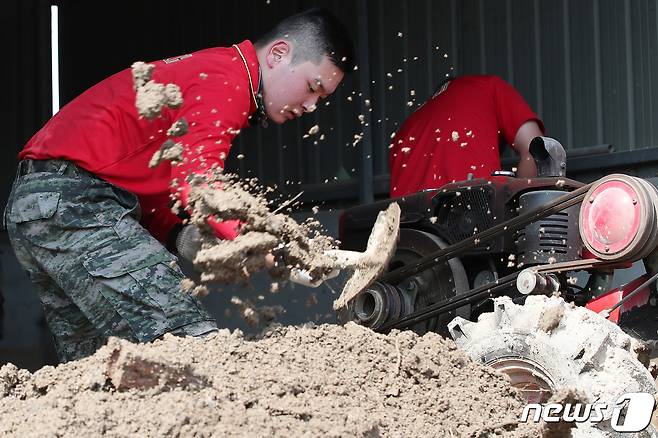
490, 290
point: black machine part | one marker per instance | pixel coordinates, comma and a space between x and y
383, 303
506, 227
549, 155
500, 286
554, 238
551, 162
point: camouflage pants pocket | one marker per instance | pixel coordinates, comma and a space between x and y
29, 211
34, 206
74, 334
137, 279
62, 212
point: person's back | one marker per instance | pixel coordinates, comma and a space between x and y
102, 132
456, 133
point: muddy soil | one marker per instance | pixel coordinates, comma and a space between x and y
291, 381
262, 232
151, 97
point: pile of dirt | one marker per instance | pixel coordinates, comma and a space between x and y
291, 381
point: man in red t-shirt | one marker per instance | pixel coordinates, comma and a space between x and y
87, 217
457, 132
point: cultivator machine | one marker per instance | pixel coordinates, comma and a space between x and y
471, 253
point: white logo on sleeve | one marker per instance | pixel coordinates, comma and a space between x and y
177, 58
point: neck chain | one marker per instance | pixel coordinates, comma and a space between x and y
260, 115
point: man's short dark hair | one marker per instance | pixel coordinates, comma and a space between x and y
315, 33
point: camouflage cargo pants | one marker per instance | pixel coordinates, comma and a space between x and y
98, 273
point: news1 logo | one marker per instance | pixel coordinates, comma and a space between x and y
631, 412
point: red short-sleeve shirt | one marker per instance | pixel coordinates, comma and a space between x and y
456, 132
102, 132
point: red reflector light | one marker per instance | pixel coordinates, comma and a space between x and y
611, 217
617, 218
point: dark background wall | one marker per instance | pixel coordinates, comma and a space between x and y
585, 66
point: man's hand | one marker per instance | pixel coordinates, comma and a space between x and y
303, 277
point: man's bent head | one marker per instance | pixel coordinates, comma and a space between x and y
303, 59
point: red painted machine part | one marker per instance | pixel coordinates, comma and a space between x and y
611, 217
615, 295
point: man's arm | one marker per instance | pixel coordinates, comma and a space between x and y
215, 113
517, 123
526, 167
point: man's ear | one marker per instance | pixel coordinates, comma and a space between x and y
279, 51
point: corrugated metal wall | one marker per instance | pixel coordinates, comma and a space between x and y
585, 66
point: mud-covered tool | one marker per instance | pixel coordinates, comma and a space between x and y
371, 263
366, 266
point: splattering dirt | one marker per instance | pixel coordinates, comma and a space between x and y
170, 150
225, 197
257, 316
550, 318
292, 381
190, 287
262, 231
151, 96
178, 128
